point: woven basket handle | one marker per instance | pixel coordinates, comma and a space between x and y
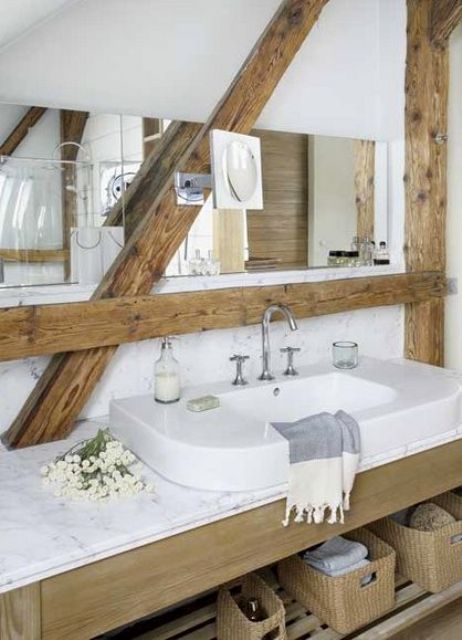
280, 633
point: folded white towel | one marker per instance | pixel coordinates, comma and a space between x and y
336, 554
324, 457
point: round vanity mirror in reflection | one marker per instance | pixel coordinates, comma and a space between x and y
240, 169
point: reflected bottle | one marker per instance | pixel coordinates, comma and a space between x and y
382, 255
167, 375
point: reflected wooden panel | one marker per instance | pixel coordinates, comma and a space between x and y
228, 239
280, 231
34, 255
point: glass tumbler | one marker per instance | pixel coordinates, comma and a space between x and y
345, 355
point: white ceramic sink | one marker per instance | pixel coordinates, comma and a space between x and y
290, 400
234, 447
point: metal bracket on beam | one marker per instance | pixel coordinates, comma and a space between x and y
190, 187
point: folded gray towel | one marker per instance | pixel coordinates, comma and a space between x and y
336, 554
346, 570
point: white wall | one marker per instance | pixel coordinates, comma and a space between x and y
453, 322
204, 357
175, 58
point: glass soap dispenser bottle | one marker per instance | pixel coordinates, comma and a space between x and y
167, 374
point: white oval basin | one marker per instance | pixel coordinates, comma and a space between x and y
234, 447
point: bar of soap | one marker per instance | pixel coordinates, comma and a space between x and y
204, 403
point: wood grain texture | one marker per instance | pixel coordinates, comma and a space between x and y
445, 16
82, 603
280, 230
228, 239
427, 81
20, 614
21, 130
34, 255
439, 621
72, 127
364, 153
67, 383
154, 177
30, 331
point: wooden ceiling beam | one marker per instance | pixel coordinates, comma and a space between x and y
445, 16
67, 383
42, 330
33, 115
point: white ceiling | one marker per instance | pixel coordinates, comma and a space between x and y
175, 58
18, 16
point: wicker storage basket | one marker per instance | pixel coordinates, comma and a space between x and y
429, 558
232, 624
343, 603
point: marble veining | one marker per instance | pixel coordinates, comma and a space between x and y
42, 535
204, 356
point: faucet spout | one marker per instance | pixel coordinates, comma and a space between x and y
289, 316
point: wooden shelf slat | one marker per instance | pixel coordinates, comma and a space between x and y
412, 604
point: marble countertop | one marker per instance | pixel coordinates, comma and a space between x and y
42, 535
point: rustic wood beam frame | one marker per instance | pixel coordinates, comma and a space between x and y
445, 16
47, 329
67, 383
58, 398
430, 23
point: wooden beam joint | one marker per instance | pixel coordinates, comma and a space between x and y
445, 16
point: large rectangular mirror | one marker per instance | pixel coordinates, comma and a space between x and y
62, 172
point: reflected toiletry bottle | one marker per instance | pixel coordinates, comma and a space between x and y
195, 265
167, 375
381, 255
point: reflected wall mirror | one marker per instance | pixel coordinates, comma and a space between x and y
325, 200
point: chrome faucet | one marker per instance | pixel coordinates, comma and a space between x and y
266, 373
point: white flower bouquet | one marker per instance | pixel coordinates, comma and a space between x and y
95, 469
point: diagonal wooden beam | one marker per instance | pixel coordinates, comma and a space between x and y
21, 130
445, 16
66, 385
155, 171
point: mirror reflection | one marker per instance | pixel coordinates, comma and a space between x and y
63, 172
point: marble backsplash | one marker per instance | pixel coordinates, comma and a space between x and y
205, 356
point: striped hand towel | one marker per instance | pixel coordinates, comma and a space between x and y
324, 457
